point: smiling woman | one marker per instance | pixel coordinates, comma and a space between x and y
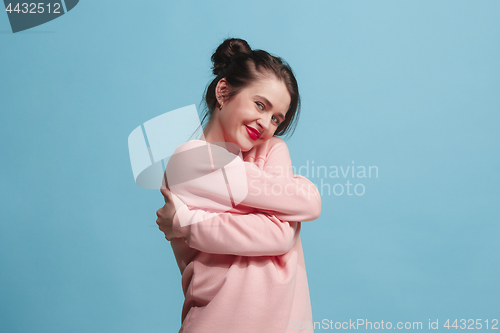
241, 261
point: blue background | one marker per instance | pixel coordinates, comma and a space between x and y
411, 87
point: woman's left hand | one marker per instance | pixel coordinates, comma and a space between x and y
166, 214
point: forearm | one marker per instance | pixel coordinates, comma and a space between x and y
288, 197
226, 233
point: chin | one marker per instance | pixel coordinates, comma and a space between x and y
248, 145
245, 148
244, 142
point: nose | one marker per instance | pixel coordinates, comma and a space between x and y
264, 122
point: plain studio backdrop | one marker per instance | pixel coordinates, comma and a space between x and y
409, 88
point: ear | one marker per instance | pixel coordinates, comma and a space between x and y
222, 88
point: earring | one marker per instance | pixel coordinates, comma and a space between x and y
218, 100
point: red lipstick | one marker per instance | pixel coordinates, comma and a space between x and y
253, 133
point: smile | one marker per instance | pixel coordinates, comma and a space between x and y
253, 133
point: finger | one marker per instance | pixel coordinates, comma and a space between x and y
164, 180
167, 194
160, 225
165, 191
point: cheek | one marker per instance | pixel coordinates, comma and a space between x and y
268, 135
230, 120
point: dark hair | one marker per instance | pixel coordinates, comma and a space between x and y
241, 66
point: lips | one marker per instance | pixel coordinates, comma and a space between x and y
254, 134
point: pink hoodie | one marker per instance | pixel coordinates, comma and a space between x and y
243, 270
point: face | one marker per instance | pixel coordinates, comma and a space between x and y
252, 116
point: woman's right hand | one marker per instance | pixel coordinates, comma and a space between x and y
166, 214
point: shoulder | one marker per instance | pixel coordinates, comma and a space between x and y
277, 155
276, 140
276, 144
187, 158
190, 145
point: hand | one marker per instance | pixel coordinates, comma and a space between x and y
166, 214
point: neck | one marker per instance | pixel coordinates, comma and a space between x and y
213, 131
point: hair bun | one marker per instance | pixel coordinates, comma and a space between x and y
227, 50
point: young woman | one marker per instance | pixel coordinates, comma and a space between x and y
243, 267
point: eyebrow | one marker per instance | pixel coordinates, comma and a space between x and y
271, 106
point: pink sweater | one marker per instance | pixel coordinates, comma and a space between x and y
243, 270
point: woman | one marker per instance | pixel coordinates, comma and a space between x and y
243, 268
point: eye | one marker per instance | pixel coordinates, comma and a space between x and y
260, 105
276, 120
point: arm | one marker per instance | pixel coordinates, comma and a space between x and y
250, 234
199, 172
226, 233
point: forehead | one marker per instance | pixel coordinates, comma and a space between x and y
272, 89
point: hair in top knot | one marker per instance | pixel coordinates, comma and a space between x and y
226, 51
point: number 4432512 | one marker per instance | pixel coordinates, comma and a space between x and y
34, 8
472, 324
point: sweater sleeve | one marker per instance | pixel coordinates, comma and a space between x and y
277, 191
228, 233
267, 231
273, 190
